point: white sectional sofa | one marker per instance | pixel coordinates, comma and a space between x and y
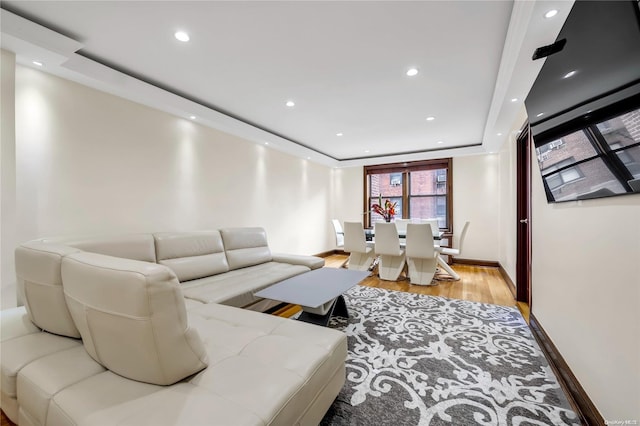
147, 329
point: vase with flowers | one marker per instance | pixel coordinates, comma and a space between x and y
386, 210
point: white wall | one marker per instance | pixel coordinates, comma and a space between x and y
7, 180
348, 191
91, 163
586, 292
476, 198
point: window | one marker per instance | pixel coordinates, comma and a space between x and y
566, 175
599, 160
395, 179
421, 189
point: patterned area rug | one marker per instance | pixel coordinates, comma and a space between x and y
424, 360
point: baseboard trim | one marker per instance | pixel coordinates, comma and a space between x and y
329, 253
475, 262
582, 404
507, 278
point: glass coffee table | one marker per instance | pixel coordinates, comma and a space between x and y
318, 292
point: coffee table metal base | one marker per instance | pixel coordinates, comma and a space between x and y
319, 292
338, 308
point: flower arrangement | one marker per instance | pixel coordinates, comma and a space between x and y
387, 211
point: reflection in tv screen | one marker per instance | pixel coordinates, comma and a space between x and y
599, 160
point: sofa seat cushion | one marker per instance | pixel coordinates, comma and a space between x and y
274, 367
94, 394
181, 404
311, 262
15, 322
132, 317
236, 288
19, 352
39, 381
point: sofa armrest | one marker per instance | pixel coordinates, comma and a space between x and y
311, 262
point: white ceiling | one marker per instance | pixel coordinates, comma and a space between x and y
343, 63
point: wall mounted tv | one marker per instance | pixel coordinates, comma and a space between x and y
584, 107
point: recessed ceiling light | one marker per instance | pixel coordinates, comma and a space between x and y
514, 99
412, 71
551, 13
367, 151
182, 36
290, 104
570, 74
540, 115
308, 158
193, 117
266, 143
499, 134
339, 134
38, 63
440, 142
431, 118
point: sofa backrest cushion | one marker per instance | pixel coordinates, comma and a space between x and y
191, 255
40, 286
245, 247
132, 318
128, 246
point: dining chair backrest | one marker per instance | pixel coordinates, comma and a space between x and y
419, 241
435, 226
462, 235
401, 226
354, 238
337, 227
387, 240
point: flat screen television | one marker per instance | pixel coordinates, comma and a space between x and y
584, 107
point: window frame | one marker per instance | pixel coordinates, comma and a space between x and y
405, 169
589, 124
559, 169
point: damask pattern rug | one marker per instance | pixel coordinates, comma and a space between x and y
424, 360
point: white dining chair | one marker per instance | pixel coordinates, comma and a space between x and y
401, 226
355, 243
452, 252
387, 247
435, 226
422, 258
337, 227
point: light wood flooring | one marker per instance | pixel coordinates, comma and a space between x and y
477, 284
